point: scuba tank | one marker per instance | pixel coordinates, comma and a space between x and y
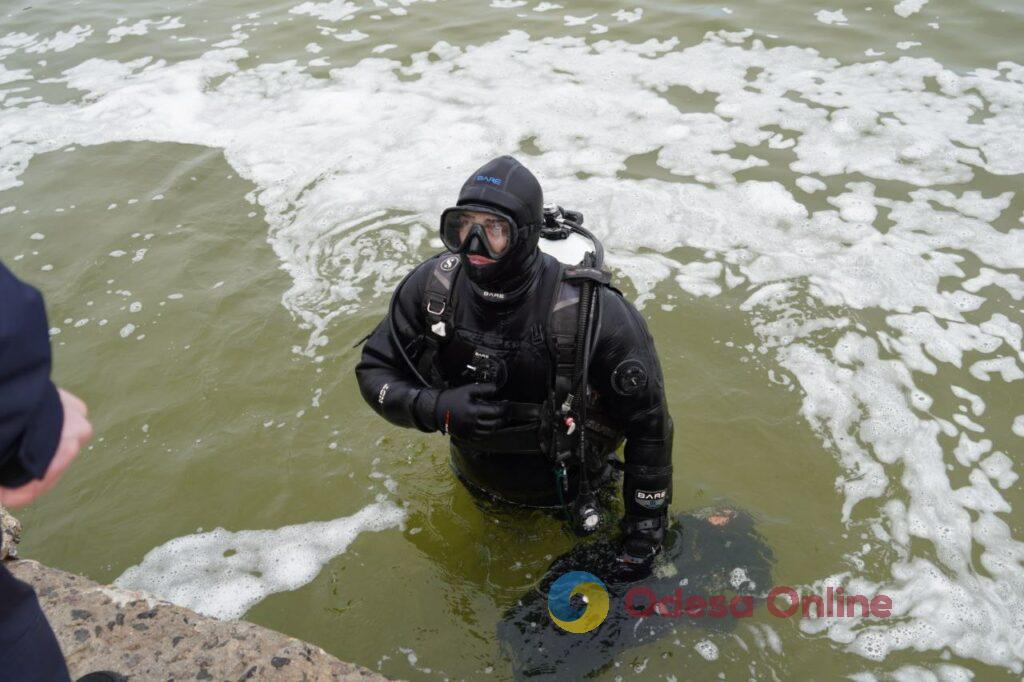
564, 237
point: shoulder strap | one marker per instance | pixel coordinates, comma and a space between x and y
437, 308
579, 273
563, 328
563, 323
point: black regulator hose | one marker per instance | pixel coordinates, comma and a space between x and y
598, 246
574, 221
394, 331
588, 515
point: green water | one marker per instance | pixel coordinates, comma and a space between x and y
225, 406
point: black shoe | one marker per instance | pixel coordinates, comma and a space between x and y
103, 676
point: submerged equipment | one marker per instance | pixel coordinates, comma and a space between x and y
715, 552
574, 323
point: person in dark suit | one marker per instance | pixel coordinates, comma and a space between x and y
42, 430
535, 390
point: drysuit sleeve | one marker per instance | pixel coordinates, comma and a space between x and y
386, 382
627, 375
31, 416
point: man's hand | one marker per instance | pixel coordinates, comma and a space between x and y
465, 411
74, 434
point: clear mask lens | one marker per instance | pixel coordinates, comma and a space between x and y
494, 231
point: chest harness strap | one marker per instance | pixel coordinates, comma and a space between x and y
438, 307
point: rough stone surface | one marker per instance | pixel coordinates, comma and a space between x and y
144, 638
10, 535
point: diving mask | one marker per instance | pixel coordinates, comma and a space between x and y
478, 230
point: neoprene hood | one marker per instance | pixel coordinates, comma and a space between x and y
505, 184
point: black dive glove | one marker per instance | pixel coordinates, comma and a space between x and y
641, 542
465, 412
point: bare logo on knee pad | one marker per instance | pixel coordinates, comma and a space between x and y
651, 499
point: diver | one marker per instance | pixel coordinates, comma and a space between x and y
536, 370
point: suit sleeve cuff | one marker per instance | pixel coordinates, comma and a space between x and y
40, 439
425, 408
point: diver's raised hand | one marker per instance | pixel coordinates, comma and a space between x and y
466, 411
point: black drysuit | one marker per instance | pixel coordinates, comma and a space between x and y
507, 321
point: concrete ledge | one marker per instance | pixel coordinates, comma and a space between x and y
132, 633
10, 535
144, 638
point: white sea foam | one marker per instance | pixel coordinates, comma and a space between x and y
810, 185
629, 16
905, 8
12, 75
346, 222
1006, 367
141, 27
1018, 425
62, 41
570, 20
977, 404
223, 574
707, 649
351, 36
831, 16
12, 42
335, 10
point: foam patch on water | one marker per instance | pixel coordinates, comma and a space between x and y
335, 10
61, 41
831, 16
12, 75
223, 573
323, 210
707, 649
905, 8
346, 223
141, 27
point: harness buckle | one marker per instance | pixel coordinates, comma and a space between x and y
435, 312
